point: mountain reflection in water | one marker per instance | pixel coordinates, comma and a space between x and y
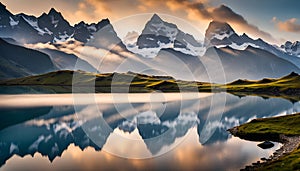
54, 131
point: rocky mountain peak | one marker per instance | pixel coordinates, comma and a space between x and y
296, 43
2, 6
102, 23
156, 19
55, 15
3, 10
159, 27
48, 27
292, 48
159, 34
218, 30
53, 12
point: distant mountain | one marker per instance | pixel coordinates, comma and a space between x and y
60, 59
159, 34
221, 34
51, 27
251, 63
64, 61
292, 48
231, 64
17, 61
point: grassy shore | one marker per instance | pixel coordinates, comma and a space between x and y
63, 81
284, 129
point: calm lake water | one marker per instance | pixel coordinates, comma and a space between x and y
131, 132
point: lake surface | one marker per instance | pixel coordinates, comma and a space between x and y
131, 131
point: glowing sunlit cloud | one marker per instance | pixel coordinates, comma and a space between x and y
289, 25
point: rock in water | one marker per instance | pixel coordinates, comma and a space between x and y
266, 145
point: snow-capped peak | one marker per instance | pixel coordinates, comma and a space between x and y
159, 34
218, 30
48, 27
156, 19
292, 48
155, 31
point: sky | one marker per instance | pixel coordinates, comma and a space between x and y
274, 21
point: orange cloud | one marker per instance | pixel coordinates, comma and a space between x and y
202, 10
89, 11
224, 13
289, 25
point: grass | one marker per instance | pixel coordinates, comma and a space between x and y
284, 84
287, 87
102, 82
288, 125
270, 129
286, 163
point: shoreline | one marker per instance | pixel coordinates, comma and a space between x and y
274, 129
289, 144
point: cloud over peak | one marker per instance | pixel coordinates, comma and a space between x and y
225, 14
202, 10
289, 25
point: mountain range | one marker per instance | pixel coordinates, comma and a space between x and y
161, 49
50, 27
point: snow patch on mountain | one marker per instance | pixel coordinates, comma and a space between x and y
291, 48
221, 35
12, 22
53, 21
63, 38
34, 24
92, 28
162, 28
238, 47
191, 50
149, 52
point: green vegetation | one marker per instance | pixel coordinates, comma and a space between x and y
287, 87
61, 81
271, 129
285, 163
